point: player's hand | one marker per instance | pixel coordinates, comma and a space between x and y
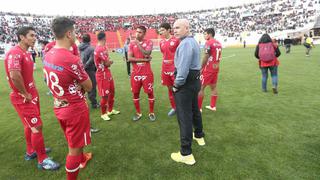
27, 97
175, 89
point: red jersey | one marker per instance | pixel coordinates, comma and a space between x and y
100, 56
140, 67
20, 60
74, 49
64, 71
168, 48
213, 48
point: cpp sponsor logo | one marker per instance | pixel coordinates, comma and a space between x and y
139, 78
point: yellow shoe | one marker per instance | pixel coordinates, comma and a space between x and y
113, 112
105, 117
189, 159
200, 141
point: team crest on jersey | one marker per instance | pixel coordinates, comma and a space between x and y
72, 89
171, 43
34, 120
101, 66
139, 78
74, 67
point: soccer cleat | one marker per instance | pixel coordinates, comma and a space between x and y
177, 157
113, 112
200, 141
48, 164
211, 108
172, 112
94, 130
33, 155
275, 91
88, 157
136, 116
152, 117
105, 117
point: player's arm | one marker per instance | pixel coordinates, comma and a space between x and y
205, 60
256, 53
86, 85
133, 59
108, 63
206, 56
145, 52
18, 82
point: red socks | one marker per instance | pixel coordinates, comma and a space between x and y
27, 135
151, 102
110, 101
73, 166
136, 102
103, 104
171, 99
213, 100
200, 100
38, 146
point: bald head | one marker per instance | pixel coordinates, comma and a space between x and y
181, 28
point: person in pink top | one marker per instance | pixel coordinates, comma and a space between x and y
267, 51
168, 46
25, 98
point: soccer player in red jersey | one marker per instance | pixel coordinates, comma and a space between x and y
68, 82
25, 98
104, 77
142, 75
210, 68
168, 47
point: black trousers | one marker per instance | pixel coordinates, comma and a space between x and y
188, 113
128, 63
288, 47
93, 93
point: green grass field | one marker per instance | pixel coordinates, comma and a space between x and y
253, 135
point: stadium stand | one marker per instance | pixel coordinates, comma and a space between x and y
233, 24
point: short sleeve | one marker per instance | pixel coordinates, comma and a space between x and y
14, 60
207, 48
77, 71
130, 48
149, 46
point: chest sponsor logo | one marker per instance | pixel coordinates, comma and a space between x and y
139, 78
168, 73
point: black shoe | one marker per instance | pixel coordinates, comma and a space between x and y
95, 106
94, 130
275, 91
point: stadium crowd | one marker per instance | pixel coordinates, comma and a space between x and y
275, 15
